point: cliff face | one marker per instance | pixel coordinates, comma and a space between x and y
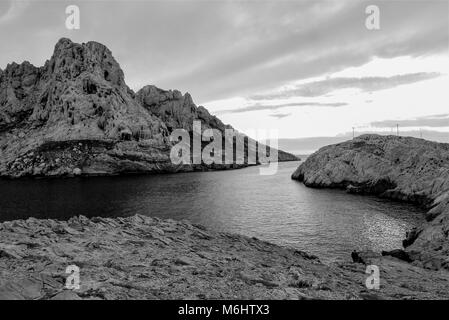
79, 92
179, 111
76, 115
175, 109
400, 168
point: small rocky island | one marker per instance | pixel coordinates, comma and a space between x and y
76, 116
400, 168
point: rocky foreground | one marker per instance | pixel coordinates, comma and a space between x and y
400, 168
141, 257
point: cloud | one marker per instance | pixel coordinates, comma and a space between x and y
280, 115
221, 49
308, 145
440, 120
224, 50
367, 84
336, 41
258, 106
10, 10
311, 144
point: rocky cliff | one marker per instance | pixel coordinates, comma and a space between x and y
400, 168
76, 115
179, 111
176, 110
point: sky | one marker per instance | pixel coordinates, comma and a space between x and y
304, 68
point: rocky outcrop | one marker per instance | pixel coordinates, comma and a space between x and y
76, 113
400, 168
179, 111
141, 257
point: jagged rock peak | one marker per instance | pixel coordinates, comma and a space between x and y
79, 92
175, 109
80, 95
65, 44
70, 59
16, 69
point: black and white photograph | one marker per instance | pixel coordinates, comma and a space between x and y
234, 152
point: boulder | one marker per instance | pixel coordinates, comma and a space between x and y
364, 257
399, 254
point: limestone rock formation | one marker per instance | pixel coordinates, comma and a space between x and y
177, 110
76, 112
400, 168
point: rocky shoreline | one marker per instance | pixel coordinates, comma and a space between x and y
141, 257
398, 168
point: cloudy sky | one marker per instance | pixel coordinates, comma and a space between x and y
305, 68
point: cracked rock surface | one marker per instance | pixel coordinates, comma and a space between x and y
141, 257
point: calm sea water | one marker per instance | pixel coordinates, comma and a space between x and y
328, 223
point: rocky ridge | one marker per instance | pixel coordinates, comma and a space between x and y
76, 115
179, 111
394, 167
140, 257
